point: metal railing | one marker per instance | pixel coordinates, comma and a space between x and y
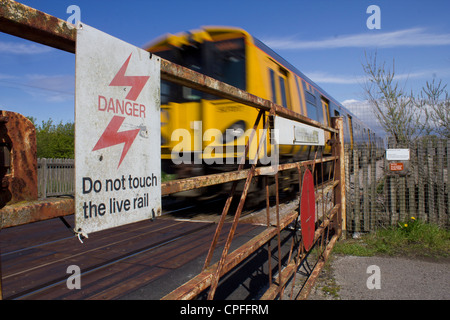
25, 22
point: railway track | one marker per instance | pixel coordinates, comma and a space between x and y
35, 257
135, 261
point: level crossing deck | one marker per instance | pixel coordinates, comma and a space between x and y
118, 263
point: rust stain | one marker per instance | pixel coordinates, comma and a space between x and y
19, 176
28, 23
32, 211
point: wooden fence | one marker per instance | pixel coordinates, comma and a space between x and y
378, 197
56, 177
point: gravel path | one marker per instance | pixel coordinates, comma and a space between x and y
348, 278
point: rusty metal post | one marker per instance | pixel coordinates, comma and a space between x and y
277, 199
19, 176
18, 164
269, 254
338, 124
215, 280
230, 197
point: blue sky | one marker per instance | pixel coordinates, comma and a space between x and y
326, 40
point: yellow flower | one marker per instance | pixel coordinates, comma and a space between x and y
412, 218
406, 225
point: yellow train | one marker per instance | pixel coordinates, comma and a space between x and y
233, 56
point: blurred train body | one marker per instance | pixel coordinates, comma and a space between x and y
233, 56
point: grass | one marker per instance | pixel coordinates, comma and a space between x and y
411, 238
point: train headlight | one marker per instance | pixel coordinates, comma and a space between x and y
234, 131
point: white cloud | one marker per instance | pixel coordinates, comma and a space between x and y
50, 88
348, 102
409, 37
6, 76
323, 77
22, 48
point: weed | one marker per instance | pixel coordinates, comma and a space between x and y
411, 238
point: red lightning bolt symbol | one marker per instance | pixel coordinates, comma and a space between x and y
111, 137
136, 83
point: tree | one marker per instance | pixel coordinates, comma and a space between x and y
55, 141
399, 113
436, 102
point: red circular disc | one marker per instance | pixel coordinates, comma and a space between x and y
308, 210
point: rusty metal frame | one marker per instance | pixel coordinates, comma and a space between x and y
28, 23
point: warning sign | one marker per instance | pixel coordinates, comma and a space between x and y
117, 132
396, 166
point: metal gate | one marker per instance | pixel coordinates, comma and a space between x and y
21, 206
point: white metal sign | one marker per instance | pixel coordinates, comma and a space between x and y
397, 154
117, 132
295, 133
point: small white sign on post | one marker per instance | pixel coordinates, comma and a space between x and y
117, 132
397, 154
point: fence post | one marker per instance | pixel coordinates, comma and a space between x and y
411, 185
373, 185
440, 183
365, 181
431, 204
45, 177
393, 184
402, 198
421, 181
386, 213
348, 206
356, 194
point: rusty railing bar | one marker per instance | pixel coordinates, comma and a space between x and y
277, 201
269, 254
34, 211
328, 218
28, 23
230, 196
185, 184
196, 285
303, 295
300, 248
289, 271
236, 217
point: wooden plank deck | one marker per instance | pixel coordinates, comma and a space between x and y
113, 263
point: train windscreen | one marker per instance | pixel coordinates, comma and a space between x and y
221, 60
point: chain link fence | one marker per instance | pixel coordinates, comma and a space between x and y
380, 195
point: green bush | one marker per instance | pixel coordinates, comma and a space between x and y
55, 140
